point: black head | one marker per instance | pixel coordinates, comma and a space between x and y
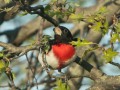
62, 34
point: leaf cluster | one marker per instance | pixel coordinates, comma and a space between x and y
97, 21
115, 34
45, 45
80, 43
61, 85
3, 64
59, 9
109, 54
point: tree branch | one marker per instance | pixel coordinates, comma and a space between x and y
11, 49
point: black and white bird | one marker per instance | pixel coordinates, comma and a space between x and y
61, 52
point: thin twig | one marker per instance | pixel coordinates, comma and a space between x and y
116, 64
39, 10
29, 63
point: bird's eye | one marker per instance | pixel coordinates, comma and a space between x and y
65, 31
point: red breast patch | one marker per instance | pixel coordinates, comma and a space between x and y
63, 51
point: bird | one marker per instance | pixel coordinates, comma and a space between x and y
61, 52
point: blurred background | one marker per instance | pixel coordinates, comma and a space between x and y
20, 68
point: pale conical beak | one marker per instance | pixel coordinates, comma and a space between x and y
57, 31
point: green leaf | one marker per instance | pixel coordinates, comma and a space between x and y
8, 9
90, 19
7, 1
97, 26
76, 17
80, 43
106, 24
61, 85
48, 7
77, 4
2, 66
1, 55
24, 13
53, 1
109, 54
102, 10
117, 27
105, 27
115, 37
1, 9
45, 46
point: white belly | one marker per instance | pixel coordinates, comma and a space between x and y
53, 61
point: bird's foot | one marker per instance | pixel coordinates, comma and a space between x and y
64, 76
46, 68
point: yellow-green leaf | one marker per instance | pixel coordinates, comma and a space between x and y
106, 24
61, 85
8, 9
7, 1
105, 27
24, 13
77, 4
79, 43
54, 0
115, 37
97, 26
2, 66
76, 16
118, 27
90, 19
102, 10
109, 54
1, 54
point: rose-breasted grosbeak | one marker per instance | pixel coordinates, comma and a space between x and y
61, 52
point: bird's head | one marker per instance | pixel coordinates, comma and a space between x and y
62, 34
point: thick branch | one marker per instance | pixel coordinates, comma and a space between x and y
11, 49
104, 82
